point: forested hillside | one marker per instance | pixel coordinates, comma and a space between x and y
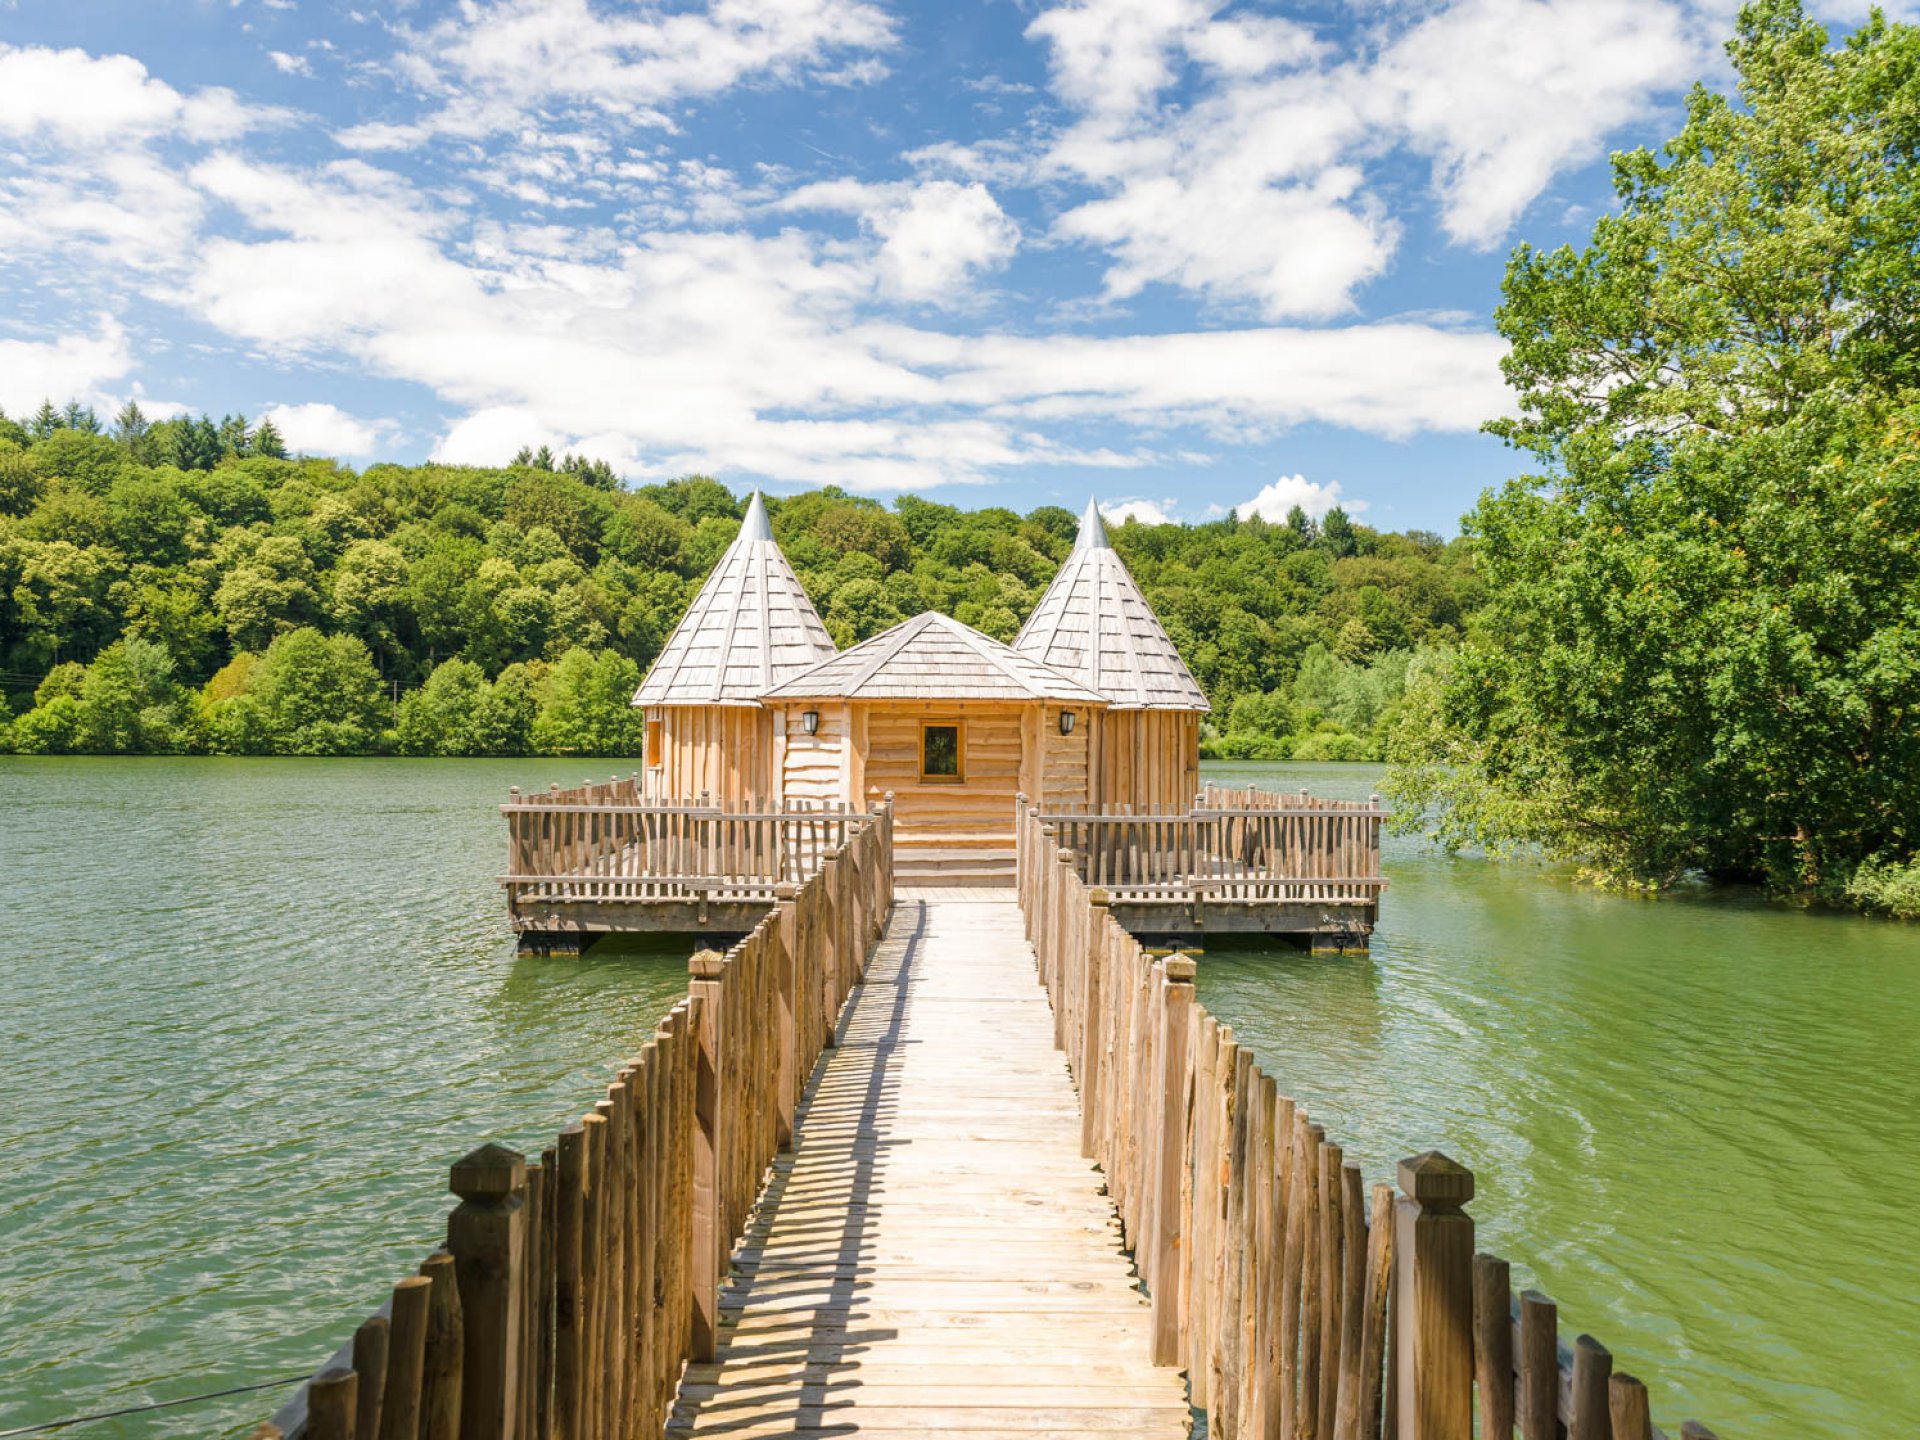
185, 587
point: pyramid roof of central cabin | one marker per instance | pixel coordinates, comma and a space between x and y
750, 627
933, 657
1095, 625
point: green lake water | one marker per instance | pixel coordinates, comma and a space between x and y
250, 1010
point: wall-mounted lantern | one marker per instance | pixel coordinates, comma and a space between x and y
1066, 722
810, 721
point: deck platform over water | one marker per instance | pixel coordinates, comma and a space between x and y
935, 1256
600, 859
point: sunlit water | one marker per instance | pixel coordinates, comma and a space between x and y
1693, 1121
250, 1010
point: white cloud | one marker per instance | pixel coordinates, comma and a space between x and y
320, 429
1240, 158
676, 350
1504, 94
290, 64
492, 64
1147, 512
1275, 500
72, 98
934, 235
72, 367
494, 435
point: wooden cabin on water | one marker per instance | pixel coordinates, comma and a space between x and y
766, 747
749, 706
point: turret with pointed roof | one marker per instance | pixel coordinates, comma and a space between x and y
1094, 624
750, 627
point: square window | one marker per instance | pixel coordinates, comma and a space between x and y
940, 752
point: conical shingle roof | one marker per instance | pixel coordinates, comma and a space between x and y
933, 657
750, 627
1094, 624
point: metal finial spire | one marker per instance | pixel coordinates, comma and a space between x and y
755, 526
1093, 532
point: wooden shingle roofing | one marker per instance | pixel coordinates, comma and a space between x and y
933, 657
750, 627
1095, 625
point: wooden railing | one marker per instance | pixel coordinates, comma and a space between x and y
573, 1289
1233, 846
1299, 1303
603, 843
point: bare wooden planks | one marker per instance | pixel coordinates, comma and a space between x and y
935, 1256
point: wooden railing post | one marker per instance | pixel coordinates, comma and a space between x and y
833, 957
1170, 1106
487, 1237
444, 1355
709, 1148
1433, 1300
1060, 986
1088, 1062
787, 982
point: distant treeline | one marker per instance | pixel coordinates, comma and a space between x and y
184, 586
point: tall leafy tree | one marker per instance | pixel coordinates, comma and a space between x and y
1701, 649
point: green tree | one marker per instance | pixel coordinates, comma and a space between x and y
318, 695
267, 441
439, 717
1701, 647
587, 706
133, 433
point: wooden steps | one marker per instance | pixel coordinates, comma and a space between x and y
935, 1258
954, 857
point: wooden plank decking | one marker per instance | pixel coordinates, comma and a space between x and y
935, 1258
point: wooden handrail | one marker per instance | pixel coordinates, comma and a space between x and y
1237, 852
575, 1287
1271, 1270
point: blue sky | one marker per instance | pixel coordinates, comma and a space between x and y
1186, 256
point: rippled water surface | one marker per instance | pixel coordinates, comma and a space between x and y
1693, 1121
249, 1012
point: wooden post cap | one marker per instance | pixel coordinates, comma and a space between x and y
1099, 897
706, 964
1180, 969
492, 1172
785, 890
1436, 1181
1066, 856
1020, 799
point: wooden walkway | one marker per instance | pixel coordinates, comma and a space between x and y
934, 1258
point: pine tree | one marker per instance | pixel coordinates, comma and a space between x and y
267, 441
543, 459
45, 421
81, 417
1302, 525
1336, 532
523, 456
233, 436
135, 435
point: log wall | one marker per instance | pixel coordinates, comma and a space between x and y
725, 753
991, 759
1147, 760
